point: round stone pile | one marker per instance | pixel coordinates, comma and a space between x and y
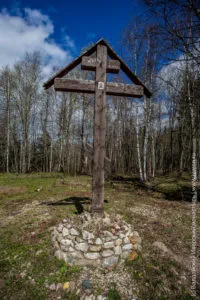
89, 239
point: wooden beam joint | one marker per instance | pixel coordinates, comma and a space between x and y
91, 63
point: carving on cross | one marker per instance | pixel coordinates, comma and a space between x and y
100, 87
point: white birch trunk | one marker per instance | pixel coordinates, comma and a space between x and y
146, 135
153, 156
8, 142
51, 156
138, 145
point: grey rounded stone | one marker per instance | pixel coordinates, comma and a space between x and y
95, 248
108, 233
108, 239
125, 254
127, 247
59, 254
73, 231
108, 245
54, 232
110, 261
72, 237
79, 240
65, 232
90, 297
118, 242
87, 235
60, 228
118, 250
76, 254
98, 241
52, 287
66, 242
92, 255
126, 228
135, 234
82, 247
91, 242
69, 258
64, 248
117, 227
107, 253
126, 240
65, 256
106, 221
71, 249
100, 297
56, 245
87, 216
122, 235
59, 238
87, 284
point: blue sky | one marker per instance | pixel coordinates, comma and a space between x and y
59, 29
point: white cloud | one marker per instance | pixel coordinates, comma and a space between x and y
70, 43
170, 77
30, 30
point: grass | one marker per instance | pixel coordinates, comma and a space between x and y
113, 294
27, 265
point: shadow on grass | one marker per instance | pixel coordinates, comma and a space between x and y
134, 182
78, 202
171, 191
183, 193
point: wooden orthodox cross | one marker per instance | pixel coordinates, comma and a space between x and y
100, 87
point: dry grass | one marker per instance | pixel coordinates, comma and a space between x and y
7, 190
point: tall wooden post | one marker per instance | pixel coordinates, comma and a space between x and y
99, 130
102, 65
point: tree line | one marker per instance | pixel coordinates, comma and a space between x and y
48, 131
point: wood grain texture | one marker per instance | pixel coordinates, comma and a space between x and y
99, 132
124, 90
88, 86
71, 85
90, 64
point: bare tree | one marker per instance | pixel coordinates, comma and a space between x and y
6, 82
27, 78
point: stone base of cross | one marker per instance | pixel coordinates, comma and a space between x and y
100, 88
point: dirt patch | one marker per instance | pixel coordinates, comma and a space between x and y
7, 190
146, 211
61, 183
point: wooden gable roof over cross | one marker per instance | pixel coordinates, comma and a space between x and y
113, 66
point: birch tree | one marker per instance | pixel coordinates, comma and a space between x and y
6, 83
27, 78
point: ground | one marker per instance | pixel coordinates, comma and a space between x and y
31, 204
